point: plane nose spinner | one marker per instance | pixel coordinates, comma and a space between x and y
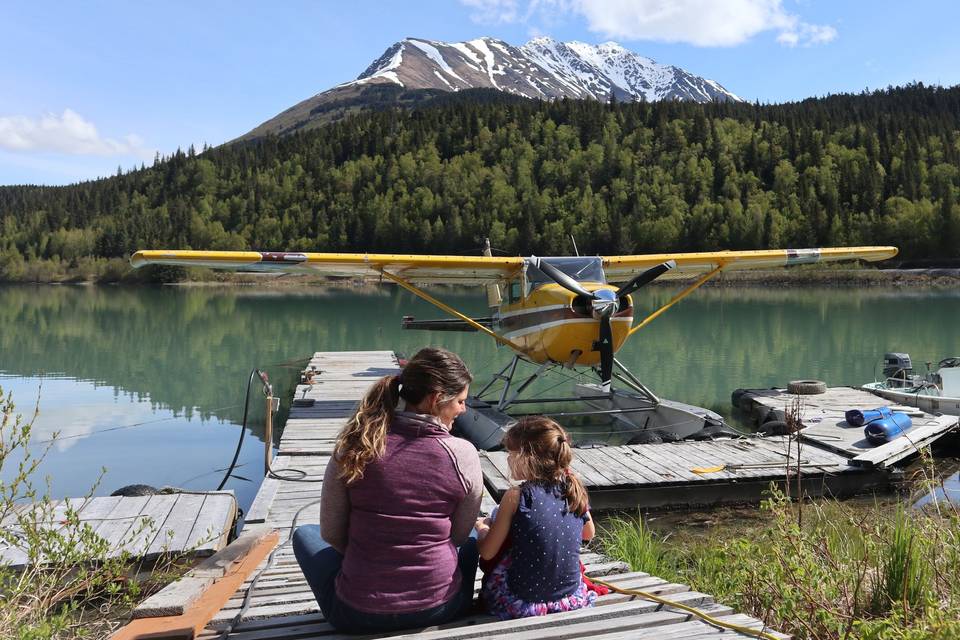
604, 303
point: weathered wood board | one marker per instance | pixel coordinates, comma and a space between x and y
196, 524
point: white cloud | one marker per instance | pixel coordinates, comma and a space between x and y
705, 23
492, 11
807, 35
68, 133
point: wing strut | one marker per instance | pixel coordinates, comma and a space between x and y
677, 298
473, 323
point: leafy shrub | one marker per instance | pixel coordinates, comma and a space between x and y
844, 573
67, 580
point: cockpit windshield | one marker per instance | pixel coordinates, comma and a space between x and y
580, 268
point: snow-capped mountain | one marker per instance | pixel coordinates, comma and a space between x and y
542, 68
415, 69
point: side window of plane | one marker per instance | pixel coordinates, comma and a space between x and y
514, 292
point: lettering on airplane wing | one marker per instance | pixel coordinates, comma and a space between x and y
803, 256
282, 256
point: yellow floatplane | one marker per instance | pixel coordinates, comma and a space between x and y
550, 311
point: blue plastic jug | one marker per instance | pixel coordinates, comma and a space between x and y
886, 429
858, 418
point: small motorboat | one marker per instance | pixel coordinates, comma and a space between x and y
936, 391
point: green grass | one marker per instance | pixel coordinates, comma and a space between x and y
878, 573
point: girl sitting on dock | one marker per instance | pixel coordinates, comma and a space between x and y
545, 519
399, 501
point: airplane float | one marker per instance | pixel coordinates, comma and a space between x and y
552, 312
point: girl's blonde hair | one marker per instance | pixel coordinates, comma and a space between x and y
545, 452
363, 438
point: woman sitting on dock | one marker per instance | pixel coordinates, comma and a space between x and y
400, 497
544, 519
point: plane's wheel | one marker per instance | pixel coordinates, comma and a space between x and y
806, 387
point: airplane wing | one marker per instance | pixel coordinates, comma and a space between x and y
622, 268
485, 270
413, 268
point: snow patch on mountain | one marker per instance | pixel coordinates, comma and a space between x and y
384, 67
542, 68
434, 54
489, 60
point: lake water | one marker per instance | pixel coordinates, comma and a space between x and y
148, 383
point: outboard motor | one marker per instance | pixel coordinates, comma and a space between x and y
897, 366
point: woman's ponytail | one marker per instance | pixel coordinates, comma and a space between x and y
363, 438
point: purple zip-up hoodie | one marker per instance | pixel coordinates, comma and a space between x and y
398, 527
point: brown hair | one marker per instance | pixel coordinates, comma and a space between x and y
545, 452
363, 438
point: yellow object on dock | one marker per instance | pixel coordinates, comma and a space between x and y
714, 469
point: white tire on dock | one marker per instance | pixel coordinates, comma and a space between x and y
806, 387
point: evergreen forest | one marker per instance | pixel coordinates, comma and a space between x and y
873, 168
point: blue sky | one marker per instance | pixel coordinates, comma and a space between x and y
86, 87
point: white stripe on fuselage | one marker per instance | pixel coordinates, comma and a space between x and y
523, 312
557, 323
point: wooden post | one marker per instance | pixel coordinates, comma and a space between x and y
268, 436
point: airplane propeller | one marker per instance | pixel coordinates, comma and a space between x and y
646, 278
604, 303
561, 278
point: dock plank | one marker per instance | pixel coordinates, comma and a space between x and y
907, 444
178, 524
212, 525
136, 525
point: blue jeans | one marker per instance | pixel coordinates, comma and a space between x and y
320, 564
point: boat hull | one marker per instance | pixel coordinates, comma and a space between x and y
666, 416
483, 424
928, 403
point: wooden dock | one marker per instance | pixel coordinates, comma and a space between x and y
835, 459
824, 426
282, 605
194, 524
701, 474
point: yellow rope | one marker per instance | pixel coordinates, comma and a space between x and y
756, 633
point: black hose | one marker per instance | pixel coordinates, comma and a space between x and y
243, 430
290, 475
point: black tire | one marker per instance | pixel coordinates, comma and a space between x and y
668, 436
806, 387
714, 431
590, 444
135, 490
735, 397
646, 437
774, 428
772, 414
